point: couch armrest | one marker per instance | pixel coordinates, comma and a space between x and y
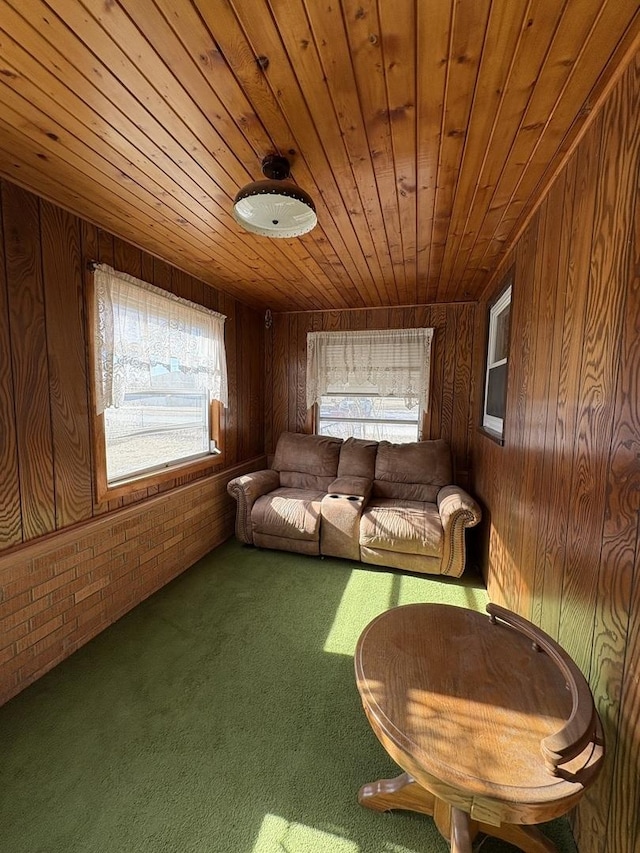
246, 490
458, 510
360, 487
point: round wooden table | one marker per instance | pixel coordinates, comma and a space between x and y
492, 722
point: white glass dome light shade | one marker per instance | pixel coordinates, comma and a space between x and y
274, 208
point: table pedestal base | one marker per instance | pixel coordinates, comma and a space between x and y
455, 825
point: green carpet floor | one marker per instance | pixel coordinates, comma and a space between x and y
220, 716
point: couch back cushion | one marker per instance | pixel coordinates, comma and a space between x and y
358, 458
307, 461
412, 472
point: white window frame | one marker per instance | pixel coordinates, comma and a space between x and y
491, 423
348, 395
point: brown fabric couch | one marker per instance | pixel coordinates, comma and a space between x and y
377, 502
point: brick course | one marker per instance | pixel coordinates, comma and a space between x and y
58, 592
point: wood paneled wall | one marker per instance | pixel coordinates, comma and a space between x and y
450, 413
46, 472
46, 479
562, 497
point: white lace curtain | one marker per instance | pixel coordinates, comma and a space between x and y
146, 338
392, 362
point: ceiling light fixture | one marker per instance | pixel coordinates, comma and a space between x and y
275, 207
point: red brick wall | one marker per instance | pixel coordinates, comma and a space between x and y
60, 591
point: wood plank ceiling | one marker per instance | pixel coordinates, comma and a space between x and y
425, 130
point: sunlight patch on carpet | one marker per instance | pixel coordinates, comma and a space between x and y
365, 596
278, 835
369, 593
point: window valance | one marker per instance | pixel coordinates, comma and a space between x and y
390, 362
143, 334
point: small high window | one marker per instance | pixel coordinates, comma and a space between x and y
495, 390
159, 379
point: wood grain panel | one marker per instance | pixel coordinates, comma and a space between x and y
623, 819
366, 49
278, 403
10, 513
433, 27
617, 567
542, 311
569, 376
422, 320
293, 370
502, 37
438, 347
462, 392
256, 377
268, 384
449, 370
325, 76
30, 368
66, 347
558, 228
562, 531
304, 418
400, 68
521, 368
600, 358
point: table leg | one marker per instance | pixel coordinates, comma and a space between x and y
461, 834
403, 792
529, 839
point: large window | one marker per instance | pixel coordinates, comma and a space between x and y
160, 377
369, 384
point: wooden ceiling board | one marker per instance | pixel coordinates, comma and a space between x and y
255, 253
358, 187
463, 66
536, 32
191, 125
502, 38
363, 33
400, 64
434, 28
425, 130
46, 97
593, 26
272, 104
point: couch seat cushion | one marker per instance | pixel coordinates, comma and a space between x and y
408, 527
288, 513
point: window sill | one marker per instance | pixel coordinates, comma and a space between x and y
105, 492
496, 437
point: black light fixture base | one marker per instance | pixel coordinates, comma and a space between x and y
275, 167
